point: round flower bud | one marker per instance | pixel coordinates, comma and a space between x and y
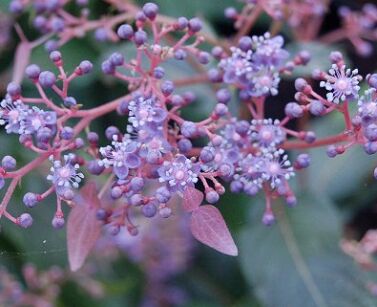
150, 10
223, 95
304, 56
194, 25
165, 212
188, 129
372, 80
16, 7
125, 31
231, 13
30, 199
158, 72
300, 84
245, 43
47, 78
32, 71
331, 151
293, 110
95, 167
203, 57
180, 54
55, 56
58, 222
236, 186
25, 220
206, 155
93, 138
116, 59
370, 132
14, 89
85, 67
167, 87
67, 133
163, 194
370, 148
317, 108
221, 109
217, 52
140, 37
51, 45
79, 143
137, 184
310, 137
101, 214
268, 218
212, 197
101, 35
140, 17
111, 131
114, 229
291, 200
136, 200
70, 102
182, 23
149, 210
116, 192
8, 163
184, 145
302, 161
214, 75
107, 67
336, 57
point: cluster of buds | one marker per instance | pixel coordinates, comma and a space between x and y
160, 153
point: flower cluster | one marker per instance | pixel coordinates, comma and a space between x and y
159, 152
254, 67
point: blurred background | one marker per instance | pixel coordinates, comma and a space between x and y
297, 262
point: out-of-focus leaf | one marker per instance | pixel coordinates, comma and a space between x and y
319, 57
21, 60
83, 228
208, 9
208, 226
192, 198
344, 174
298, 262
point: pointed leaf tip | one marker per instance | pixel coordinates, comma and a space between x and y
208, 226
83, 228
192, 198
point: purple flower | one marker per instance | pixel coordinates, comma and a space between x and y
277, 168
263, 81
179, 173
12, 114
34, 119
145, 111
122, 156
250, 173
236, 66
267, 133
268, 51
65, 176
341, 83
368, 105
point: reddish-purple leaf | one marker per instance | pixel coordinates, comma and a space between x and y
83, 228
208, 226
192, 198
21, 60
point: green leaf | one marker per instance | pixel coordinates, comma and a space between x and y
343, 175
209, 9
319, 57
297, 262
